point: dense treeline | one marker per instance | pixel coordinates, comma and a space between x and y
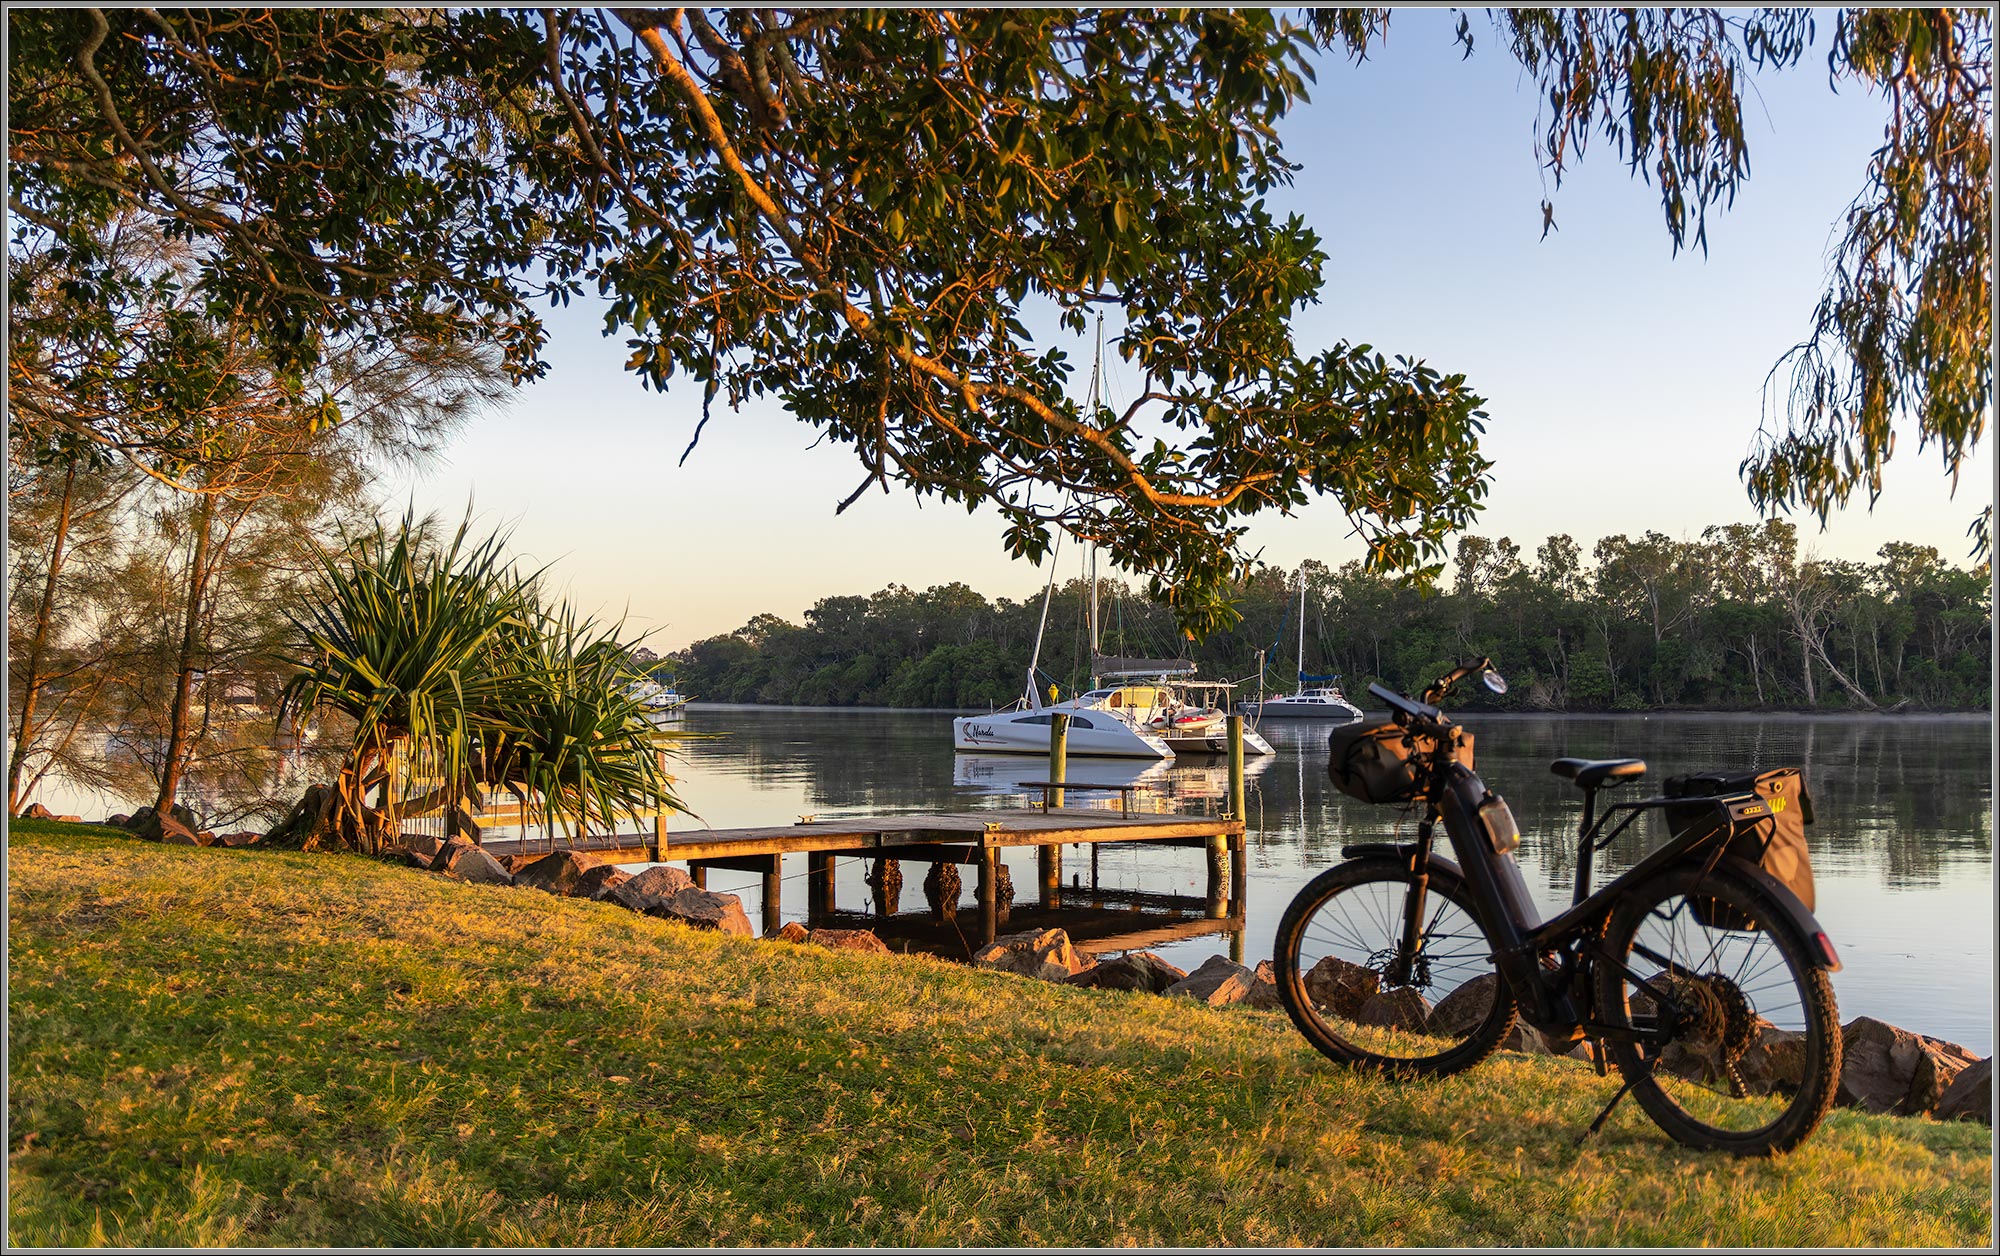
1737, 619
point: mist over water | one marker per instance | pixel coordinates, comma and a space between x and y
1902, 848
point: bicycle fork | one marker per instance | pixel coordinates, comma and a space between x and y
1402, 968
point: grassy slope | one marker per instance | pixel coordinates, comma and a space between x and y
237, 1047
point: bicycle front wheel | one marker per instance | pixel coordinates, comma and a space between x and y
1740, 1038
1362, 996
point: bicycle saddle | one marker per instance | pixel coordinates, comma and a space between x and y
1592, 773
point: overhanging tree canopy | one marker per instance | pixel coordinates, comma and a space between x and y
854, 212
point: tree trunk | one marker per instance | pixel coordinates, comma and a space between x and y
1805, 666
30, 681
177, 728
1756, 672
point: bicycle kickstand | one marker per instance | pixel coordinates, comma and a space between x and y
1605, 1115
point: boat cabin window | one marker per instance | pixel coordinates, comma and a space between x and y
1075, 721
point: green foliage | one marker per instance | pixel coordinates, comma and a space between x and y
451, 672
244, 1048
1733, 620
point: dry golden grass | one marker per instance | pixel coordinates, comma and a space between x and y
215, 1047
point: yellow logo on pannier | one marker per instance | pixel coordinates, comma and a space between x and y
1777, 804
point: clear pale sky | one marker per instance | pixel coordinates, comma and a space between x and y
1623, 384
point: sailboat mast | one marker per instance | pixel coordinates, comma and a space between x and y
1302, 627
1035, 661
1096, 370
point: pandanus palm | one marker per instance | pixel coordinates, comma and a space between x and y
440, 652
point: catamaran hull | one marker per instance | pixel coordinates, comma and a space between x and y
1278, 710
1019, 732
1216, 742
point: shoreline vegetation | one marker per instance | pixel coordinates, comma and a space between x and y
228, 1047
1651, 625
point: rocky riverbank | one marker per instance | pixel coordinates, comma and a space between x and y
1886, 1069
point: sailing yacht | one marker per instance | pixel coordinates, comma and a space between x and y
1317, 697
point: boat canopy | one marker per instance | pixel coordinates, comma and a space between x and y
1114, 665
1308, 679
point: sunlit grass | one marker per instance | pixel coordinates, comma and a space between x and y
215, 1047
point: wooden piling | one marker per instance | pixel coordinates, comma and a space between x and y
700, 874
660, 814
1058, 755
1238, 805
773, 882
819, 882
1048, 867
1218, 871
989, 889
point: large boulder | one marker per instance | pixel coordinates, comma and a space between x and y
598, 882
1264, 988
1464, 1009
117, 820
1401, 1007
462, 861
559, 873
422, 843
1219, 982
1776, 1061
655, 885
862, 940
1970, 1095
240, 838
1044, 953
703, 910
790, 931
1339, 988
1888, 1069
36, 811
1138, 970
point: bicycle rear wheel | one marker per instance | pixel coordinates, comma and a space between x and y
1744, 1049
1361, 998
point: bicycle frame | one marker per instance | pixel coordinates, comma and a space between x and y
1555, 1000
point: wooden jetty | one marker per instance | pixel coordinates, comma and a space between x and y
970, 837
976, 838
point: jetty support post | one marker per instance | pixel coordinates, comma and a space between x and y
1058, 756
773, 883
1220, 879
819, 882
1048, 867
659, 850
989, 891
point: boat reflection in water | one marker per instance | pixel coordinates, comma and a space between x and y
1165, 785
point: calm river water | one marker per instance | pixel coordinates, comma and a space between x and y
1902, 851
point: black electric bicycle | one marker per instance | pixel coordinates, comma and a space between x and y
1701, 975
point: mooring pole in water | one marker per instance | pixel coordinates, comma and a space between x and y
659, 851
773, 880
1219, 872
1058, 755
1238, 809
819, 865
699, 871
1048, 866
989, 891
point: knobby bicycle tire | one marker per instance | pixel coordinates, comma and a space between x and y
1668, 936
1460, 958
